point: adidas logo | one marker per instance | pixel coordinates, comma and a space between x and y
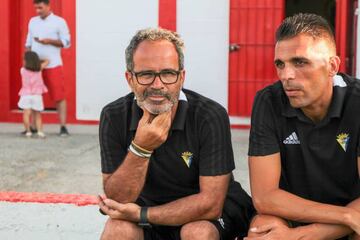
292, 139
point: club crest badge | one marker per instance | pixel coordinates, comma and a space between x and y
343, 140
187, 157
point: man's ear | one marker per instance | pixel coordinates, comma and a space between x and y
334, 65
129, 79
182, 78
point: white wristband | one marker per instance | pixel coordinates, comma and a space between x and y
134, 151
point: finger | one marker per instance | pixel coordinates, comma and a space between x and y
146, 117
163, 119
262, 228
105, 210
101, 203
113, 204
255, 238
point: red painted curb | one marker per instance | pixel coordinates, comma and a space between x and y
76, 199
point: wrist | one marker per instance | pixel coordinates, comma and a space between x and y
310, 231
139, 151
142, 145
348, 217
143, 218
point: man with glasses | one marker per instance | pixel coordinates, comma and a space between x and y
166, 153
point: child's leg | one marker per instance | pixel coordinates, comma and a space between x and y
26, 119
38, 121
33, 120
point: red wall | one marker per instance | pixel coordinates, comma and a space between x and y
4, 59
167, 14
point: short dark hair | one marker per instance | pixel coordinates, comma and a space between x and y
41, 1
32, 61
307, 23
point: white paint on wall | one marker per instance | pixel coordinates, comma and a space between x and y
204, 26
103, 31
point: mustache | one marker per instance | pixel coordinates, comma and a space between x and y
149, 93
292, 87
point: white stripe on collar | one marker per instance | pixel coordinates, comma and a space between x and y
338, 81
182, 96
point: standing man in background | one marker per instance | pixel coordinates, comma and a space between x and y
47, 34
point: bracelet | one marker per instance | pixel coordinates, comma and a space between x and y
140, 149
137, 153
144, 222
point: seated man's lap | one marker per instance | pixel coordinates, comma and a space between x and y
227, 228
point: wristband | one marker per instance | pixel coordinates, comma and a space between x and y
140, 149
137, 153
143, 218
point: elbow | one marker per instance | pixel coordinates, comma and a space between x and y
65, 43
261, 204
118, 196
215, 213
214, 210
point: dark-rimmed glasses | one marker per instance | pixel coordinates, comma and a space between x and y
167, 76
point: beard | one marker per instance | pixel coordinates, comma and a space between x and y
153, 107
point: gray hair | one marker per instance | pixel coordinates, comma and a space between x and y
154, 34
311, 24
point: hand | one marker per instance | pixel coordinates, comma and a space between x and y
45, 41
127, 212
152, 131
354, 221
273, 231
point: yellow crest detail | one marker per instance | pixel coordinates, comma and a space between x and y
187, 157
343, 139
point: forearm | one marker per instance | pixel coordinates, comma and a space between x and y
56, 43
192, 208
323, 231
289, 206
126, 183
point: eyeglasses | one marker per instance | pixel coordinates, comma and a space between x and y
167, 76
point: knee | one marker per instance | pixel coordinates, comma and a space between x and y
199, 230
118, 229
260, 220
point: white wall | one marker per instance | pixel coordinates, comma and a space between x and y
358, 42
103, 31
204, 26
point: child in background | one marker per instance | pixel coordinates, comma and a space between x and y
31, 91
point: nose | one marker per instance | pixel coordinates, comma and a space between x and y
287, 73
157, 84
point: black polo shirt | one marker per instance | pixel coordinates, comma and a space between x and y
318, 160
199, 144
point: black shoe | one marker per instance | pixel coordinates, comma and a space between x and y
32, 130
63, 132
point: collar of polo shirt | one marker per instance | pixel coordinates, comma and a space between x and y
47, 17
336, 106
179, 120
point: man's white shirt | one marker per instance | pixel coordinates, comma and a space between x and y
52, 27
